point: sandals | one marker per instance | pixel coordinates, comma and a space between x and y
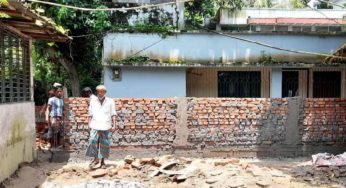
93, 164
103, 165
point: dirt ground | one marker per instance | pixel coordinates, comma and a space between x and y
181, 172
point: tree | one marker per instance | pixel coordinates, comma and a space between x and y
197, 10
81, 57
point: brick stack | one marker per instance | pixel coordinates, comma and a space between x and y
145, 122
323, 121
236, 121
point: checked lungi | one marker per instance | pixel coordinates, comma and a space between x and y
99, 142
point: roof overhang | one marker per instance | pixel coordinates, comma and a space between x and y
296, 21
341, 51
28, 24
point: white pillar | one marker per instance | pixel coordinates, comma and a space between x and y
276, 83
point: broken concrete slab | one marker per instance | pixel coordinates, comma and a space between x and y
189, 171
154, 173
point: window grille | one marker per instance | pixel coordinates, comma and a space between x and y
14, 68
239, 84
290, 86
327, 84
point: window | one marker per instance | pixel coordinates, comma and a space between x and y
239, 84
327, 84
290, 83
116, 74
14, 68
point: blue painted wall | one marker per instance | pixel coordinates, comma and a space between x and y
147, 82
198, 48
276, 83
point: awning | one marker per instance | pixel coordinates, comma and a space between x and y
28, 24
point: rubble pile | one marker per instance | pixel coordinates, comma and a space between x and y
172, 171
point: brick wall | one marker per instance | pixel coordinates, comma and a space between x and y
237, 121
147, 122
202, 123
323, 121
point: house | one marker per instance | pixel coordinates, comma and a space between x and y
268, 53
17, 108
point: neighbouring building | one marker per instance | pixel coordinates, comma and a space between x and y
17, 108
210, 64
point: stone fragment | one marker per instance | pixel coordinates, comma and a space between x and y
210, 181
154, 173
262, 183
136, 164
221, 163
255, 171
234, 161
150, 161
98, 173
216, 173
129, 159
112, 172
237, 184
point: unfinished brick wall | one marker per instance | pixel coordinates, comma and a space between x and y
323, 121
236, 121
198, 123
146, 122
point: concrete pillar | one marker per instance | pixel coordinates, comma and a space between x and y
276, 83
181, 129
181, 21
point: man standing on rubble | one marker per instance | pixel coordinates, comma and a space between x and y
102, 118
55, 107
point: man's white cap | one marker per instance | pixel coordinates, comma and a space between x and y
57, 84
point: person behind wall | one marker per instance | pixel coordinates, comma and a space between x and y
87, 93
102, 118
55, 109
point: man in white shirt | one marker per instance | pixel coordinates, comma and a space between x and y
102, 118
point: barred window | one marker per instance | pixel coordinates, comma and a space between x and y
327, 84
239, 84
14, 68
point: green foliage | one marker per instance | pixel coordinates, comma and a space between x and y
142, 60
196, 11
46, 72
324, 5
297, 4
233, 4
163, 30
265, 58
84, 52
2, 14
261, 3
